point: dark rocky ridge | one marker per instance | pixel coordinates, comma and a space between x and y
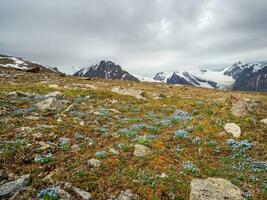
252, 81
106, 70
24, 65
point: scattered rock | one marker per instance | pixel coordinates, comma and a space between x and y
59, 120
56, 94
125, 195
141, 150
34, 118
19, 94
64, 195
32, 69
264, 121
244, 107
10, 188
234, 129
113, 151
47, 104
54, 86
75, 147
94, 163
68, 109
163, 175
82, 123
44, 145
214, 188
129, 91
83, 194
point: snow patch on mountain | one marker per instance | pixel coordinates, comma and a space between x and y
20, 63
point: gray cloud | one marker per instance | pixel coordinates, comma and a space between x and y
144, 36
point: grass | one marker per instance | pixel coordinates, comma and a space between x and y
203, 153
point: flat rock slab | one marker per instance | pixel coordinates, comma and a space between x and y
214, 189
10, 188
130, 92
244, 107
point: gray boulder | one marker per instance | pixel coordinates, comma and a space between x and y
125, 195
10, 188
47, 104
214, 189
138, 94
244, 107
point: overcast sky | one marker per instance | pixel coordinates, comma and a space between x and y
143, 36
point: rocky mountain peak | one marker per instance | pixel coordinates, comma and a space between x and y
107, 70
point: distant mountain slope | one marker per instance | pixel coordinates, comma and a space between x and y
23, 64
200, 78
107, 70
253, 78
249, 77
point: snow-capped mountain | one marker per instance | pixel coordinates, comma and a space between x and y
107, 70
199, 78
238, 76
252, 78
24, 64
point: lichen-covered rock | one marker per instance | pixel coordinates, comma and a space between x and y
113, 151
55, 94
214, 189
47, 104
264, 121
244, 107
10, 188
130, 92
233, 129
94, 163
141, 150
125, 195
83, 194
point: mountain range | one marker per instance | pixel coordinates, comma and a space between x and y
238, 76
246, 77
24, 64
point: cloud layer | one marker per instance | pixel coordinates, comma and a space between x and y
143, 36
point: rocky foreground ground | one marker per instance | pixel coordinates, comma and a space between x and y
64, 137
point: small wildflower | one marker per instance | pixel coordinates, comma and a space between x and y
100, 154
49, 193
180, 134
190, 167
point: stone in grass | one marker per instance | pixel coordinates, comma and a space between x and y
233, 129
141, 150
113, 151
10, 188
94, 163
47, 104
75, 147
125, 195
83, 194
264, 121
55, 94
214, 188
